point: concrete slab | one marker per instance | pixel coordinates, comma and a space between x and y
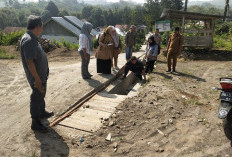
86, 119
102, 105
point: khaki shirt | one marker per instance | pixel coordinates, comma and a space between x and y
175, 43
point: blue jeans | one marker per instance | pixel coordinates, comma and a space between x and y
128, 52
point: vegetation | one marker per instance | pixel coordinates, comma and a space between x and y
3, 55
67, 44
11, 38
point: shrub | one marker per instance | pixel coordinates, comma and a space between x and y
11, 38
67, 44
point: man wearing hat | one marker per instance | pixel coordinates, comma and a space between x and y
174, 49
130, 41
35, 65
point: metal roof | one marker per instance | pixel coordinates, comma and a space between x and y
174, 14
68, 26
78, 23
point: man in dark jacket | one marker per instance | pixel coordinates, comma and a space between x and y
35, 65
130, 41
136, 66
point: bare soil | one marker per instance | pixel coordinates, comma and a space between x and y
173, 114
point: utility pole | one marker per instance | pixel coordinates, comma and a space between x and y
226, 10
185, 5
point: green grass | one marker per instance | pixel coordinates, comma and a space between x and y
3, 55
67, 44
223, 42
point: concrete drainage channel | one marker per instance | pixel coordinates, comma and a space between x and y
87, 117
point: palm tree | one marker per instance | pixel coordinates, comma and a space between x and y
226, 10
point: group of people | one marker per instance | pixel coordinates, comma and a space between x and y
36, 67
109, 47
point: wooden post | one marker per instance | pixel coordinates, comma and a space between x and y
183, 20
212, 27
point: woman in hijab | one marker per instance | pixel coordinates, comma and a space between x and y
104, 52
151, 54
86, 49
117, 49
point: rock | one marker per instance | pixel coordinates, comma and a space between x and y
115, 145
89, 146
104, 127
114, 115
170, 121
117, 126
133, 123
151, 103
111, 123
200, 120
108, 138
106, 119
140, 100
87, 106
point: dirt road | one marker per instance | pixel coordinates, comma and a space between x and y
173, 115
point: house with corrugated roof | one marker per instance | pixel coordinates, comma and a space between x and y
66, 28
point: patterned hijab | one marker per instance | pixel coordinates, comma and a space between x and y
86, 28
108, 37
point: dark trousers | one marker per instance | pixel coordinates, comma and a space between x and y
84, 65
37, 104
150, 66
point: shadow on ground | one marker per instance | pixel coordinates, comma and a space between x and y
52, 144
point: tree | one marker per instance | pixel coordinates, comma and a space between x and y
172, 4
226, 10
52, 8
185, 5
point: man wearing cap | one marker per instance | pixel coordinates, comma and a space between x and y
174, 49
130, 41
35, 65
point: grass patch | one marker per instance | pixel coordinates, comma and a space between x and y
222, 42
3, 55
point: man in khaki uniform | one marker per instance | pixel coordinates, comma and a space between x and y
174, 49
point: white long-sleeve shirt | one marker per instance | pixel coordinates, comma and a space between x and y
84, 43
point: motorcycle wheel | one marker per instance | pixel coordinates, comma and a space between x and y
227, 125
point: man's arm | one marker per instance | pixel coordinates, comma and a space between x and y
32, 69
144, 75
169, 41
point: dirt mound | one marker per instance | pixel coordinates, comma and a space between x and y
46, 44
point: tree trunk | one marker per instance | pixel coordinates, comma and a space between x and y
226, 9
185, 5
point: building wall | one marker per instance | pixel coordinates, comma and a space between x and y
53, 31
53, 28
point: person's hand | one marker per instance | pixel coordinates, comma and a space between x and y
86, 56
38, 85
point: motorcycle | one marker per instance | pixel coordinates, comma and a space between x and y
224, 110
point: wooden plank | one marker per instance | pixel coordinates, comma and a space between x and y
198, 41
197, 31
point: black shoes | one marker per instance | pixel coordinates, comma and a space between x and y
46, 115
168, 71
38, 126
